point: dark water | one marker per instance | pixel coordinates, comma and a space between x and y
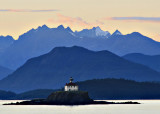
147, 107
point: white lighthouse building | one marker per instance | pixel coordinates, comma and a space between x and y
71, 86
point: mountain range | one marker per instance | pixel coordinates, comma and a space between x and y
40, 41
5, 42
52, 70
147, 60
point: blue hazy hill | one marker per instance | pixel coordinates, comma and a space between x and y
4, 72
148, 60
53, 69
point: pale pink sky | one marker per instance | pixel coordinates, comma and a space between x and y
18, 16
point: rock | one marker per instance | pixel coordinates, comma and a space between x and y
69, 97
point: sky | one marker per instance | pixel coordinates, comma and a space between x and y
19, 16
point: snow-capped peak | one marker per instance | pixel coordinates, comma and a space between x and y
100, 32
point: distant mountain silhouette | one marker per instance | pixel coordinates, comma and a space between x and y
133, 43
117, 32
148, 60
53, 70
39, 41
4, 72
5, 42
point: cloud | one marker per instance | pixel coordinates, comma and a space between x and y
27, 10
140, 19
73, 21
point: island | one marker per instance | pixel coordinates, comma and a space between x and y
67, 98
70, 96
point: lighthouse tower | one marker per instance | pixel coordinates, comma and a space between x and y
71, 86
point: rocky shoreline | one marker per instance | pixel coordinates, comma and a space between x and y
43, 102
67, 98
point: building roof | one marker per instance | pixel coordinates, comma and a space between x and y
71, 84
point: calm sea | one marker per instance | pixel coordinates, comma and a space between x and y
147, 107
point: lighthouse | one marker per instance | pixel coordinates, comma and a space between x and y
71, 86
